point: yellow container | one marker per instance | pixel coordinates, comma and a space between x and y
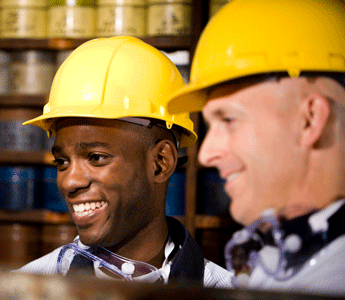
169, 17
121, 17
216, 5
71, 18
23, 18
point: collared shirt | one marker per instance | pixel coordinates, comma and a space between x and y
322, 271
183, 265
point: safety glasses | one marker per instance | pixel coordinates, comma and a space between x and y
245, 251
100, 257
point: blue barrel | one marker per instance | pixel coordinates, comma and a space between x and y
16, 137
17, 188
175, 199
52, 198
213, 198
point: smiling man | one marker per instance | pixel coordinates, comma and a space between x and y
269, 78
115, 150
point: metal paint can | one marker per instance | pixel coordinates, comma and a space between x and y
23, 18
121, 17
62, 56
32, 72
216, 5
17, 188
169, 17
53, 200
175, 198
71, 18
16, 137
181, 61
20, 244
213, 198
5, 59
54, 236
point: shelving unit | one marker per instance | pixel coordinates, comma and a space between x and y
194, 222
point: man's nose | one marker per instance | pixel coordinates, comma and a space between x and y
212, 147
74, 178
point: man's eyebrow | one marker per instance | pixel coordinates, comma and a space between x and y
58, 149
92, 145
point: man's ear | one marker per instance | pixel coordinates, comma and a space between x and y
164, 156
315, 115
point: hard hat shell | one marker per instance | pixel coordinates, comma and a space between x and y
114, 78
248, 37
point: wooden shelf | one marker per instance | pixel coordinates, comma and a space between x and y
36, 216
26, 157
210, 222
23, 100
161, 42
45, 216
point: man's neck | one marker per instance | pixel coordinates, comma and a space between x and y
147, 245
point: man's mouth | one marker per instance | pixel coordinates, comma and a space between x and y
86, 208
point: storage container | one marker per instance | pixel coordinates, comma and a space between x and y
175, 199
17, 188
16, 137
55, 236
23, 18
52, 198
213, 200
4, 72
121, 17
61, 57
216, 5
32, 72
181, 61
71, 18
169, 17
20, 244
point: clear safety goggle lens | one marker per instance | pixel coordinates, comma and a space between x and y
243, 252
102, 258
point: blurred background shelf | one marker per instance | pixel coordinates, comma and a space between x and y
162, 42
36, 216
26, 157
23, 100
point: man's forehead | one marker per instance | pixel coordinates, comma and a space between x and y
85, 121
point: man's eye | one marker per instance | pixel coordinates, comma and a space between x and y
227, 120
59, 162
97, 157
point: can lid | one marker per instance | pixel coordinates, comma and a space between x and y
179, 58
33, 56
169, 1
122, 2
72, 2
32, 3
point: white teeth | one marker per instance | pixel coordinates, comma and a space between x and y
84, 209
232, 177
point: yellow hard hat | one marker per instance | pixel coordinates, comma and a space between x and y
113, 78
248, 37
